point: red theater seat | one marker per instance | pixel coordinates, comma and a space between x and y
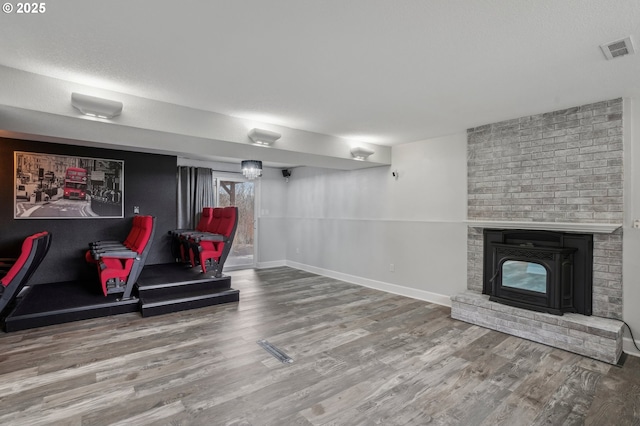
180, 237
97, 248
190, 244
34, 249
119, 265
214, 247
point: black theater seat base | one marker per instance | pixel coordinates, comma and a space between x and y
49, 304
174, 287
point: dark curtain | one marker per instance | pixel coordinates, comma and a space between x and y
195, 191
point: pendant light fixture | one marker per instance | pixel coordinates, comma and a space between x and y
251, 169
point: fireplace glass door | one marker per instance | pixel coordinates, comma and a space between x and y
522, 275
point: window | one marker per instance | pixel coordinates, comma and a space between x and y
240, 193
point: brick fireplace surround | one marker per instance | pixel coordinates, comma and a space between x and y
563, 169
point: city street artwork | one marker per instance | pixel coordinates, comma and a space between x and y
49, 186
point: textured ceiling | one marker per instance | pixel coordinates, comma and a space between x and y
378, 71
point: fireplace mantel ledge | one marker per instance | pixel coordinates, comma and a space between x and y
593, 228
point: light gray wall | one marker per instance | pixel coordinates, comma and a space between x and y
356, 224
631, 236
272, 226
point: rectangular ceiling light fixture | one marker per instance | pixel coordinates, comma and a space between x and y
263, 137
360, 153
96, 107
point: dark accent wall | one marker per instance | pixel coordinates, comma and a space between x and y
150, 183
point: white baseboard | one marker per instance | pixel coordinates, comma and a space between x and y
271, 264
628, 348
427, 296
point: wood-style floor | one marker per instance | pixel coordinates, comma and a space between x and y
361, 357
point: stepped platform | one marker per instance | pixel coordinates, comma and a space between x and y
174, 287
160, 289
49, 304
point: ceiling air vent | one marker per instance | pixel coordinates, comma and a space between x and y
617, 48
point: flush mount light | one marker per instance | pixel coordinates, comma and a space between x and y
263, 137
251, 169
360, 153
96, 107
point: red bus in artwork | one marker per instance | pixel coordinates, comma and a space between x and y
75, 183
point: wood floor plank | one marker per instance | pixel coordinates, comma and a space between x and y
570, 402
153, 416
361, 357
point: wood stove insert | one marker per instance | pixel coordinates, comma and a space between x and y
539, 270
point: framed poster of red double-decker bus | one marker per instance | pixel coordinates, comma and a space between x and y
49, 186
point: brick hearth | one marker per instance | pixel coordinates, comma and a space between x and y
598, 338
